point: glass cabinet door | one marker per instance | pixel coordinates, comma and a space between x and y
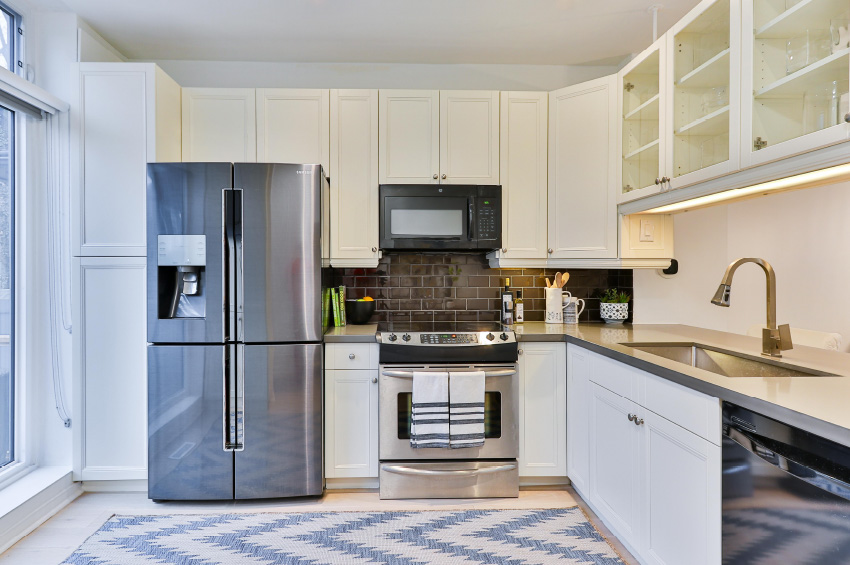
642, 116
703, 63
797, 70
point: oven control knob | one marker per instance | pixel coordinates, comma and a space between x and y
504, 337
490, 337
406, 337
393, 337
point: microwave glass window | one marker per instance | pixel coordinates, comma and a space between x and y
492, 414
419, 222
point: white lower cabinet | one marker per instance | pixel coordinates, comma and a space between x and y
615, 463
654, 480
110, 369
681, 494
542, 405
351, 412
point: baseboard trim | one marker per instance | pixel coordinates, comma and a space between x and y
543, 481
38, 496
126, 485
352, 484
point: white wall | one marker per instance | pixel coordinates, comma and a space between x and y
805, 235
351, 75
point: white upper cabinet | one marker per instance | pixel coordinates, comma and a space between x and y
582, 170
643, 99
219, 124
293, 126
704, 113
126, 115
796, 68
542, 410
409, 137
522, 170
469, 137
354, 182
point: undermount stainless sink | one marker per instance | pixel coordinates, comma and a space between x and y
724, 362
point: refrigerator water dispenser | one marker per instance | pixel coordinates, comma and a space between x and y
181, 260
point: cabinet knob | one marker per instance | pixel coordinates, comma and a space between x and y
657, 181
351, 355
374, 379
519, 352
638, 421
632, 417
435, 175
374, 250
847, 118
550, 251
504, 249
444, 176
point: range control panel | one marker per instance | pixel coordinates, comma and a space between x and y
448, 338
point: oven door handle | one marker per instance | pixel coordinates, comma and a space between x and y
409, 374
405, 470
807, 471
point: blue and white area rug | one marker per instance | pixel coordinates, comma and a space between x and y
515, 537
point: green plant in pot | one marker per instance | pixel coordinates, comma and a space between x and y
614, 306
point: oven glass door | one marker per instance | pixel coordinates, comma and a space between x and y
444, 218
501, 435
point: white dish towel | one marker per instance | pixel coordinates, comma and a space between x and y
429, 422
466, 409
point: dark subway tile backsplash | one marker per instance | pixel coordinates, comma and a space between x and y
462, 287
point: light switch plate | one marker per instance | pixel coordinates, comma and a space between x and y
647, 230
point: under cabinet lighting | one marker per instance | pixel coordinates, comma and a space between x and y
805, 180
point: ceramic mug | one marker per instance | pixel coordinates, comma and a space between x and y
572, 309
555, 305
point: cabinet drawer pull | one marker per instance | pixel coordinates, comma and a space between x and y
443, 177
638, 421
632, 417
351, 355
435, 175
374, 250
374, 379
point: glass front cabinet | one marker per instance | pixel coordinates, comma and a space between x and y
681, 104
796, 63
642, 121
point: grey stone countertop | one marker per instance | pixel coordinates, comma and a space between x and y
818, 404
351, 333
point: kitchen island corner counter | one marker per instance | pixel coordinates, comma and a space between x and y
817, 404
352, 333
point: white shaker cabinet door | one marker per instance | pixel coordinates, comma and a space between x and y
469, 137
578, 418
410, 136
293, 126
351, 423
110, 371
582, 170
615, 464
542, 412
219, 124
681, 494
523, 160
126, 115
354, 182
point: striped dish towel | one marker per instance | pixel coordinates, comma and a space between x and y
466, 409
429, 425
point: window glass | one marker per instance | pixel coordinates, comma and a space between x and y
7, 286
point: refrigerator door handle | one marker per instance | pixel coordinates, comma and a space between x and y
239, 444
229, 260
238, 274
229, 416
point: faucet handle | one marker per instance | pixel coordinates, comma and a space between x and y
785, 337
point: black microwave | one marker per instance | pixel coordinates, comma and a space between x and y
440, 217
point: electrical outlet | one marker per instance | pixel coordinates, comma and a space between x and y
647, 230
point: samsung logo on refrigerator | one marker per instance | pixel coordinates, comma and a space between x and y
303, 172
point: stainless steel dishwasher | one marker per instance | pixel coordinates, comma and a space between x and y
786, 493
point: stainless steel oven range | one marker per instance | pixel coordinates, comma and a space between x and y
487, 471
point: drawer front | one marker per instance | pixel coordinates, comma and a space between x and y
617, 377
692, 410
353, 356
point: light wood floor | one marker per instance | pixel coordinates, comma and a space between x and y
51, 543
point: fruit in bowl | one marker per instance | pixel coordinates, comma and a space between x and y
359, 311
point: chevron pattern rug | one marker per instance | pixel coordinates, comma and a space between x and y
515, 537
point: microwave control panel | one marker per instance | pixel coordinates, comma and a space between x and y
488, 213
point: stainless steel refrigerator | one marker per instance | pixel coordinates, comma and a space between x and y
234, 330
